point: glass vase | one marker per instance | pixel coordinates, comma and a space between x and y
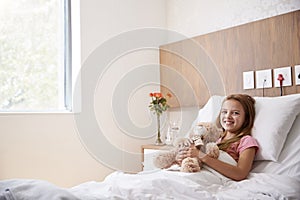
158, 139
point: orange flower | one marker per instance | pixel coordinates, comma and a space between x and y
157, 95
158, 103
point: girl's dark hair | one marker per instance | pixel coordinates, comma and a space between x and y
248, 104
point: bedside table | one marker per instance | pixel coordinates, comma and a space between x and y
148, 153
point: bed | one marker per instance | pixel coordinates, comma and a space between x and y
275, 173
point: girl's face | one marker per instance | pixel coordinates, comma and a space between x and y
232, 116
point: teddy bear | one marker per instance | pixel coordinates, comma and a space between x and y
204, 136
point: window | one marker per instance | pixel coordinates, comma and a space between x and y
35, 55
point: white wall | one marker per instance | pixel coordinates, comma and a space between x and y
197, 17
115, 31
52, 147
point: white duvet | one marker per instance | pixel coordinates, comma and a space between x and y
163, 184
160, 185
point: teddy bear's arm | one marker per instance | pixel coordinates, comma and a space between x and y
212, 150
165, 159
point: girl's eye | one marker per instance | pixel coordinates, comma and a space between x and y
236, 113
224, 112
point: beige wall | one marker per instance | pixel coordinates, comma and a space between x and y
49, 146
45, 146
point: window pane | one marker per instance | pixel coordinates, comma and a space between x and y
31, 55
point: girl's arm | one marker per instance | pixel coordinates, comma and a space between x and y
237, 173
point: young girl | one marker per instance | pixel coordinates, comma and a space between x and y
236, 118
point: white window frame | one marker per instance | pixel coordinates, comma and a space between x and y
76, 58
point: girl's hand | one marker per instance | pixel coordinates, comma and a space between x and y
193, 152
181, 154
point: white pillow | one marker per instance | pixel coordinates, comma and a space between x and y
274, 118
209, 112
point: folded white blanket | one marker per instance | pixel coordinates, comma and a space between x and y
27, 189
7, 195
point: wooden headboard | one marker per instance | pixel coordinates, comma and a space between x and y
213, 64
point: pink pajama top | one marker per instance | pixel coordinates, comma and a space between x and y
236, 148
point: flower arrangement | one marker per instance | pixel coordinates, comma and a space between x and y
158, 105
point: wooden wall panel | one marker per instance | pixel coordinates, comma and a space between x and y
216, 65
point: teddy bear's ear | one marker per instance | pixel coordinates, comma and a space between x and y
207, 125
197, 131
202, 124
